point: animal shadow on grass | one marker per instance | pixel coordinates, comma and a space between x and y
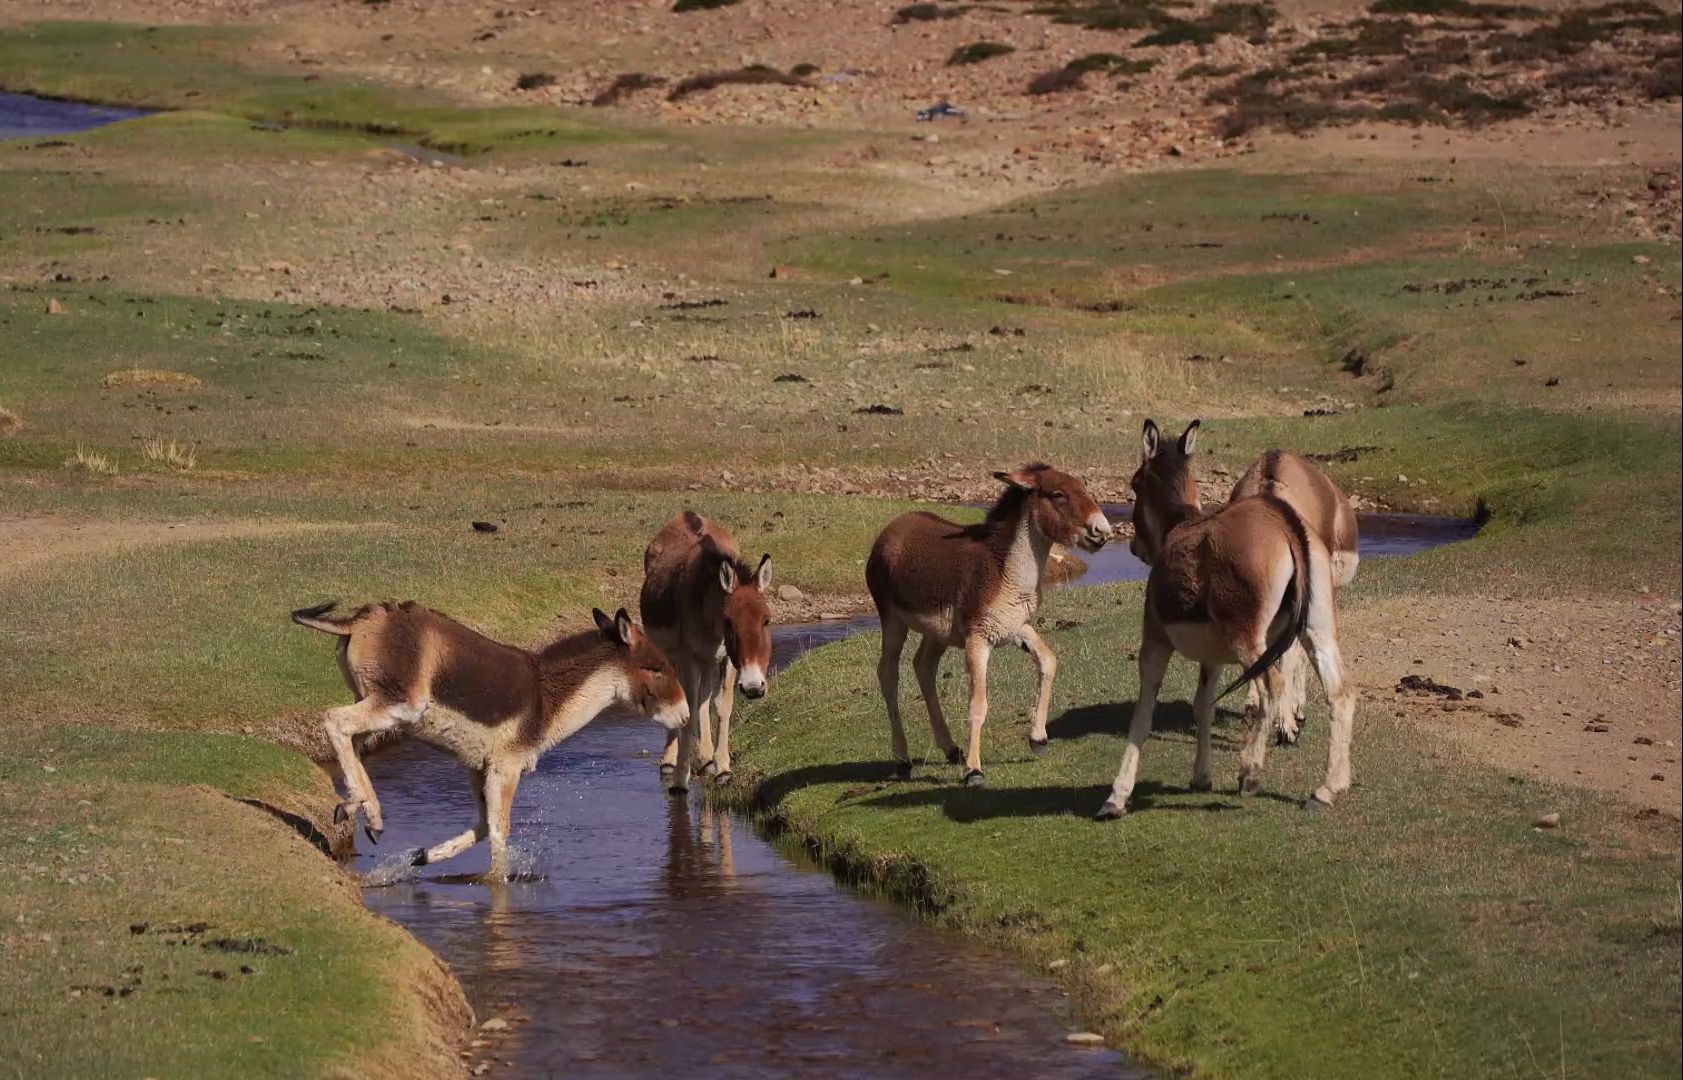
1113, 718
776, 788
967, 804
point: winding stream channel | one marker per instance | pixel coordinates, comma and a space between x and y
660, 934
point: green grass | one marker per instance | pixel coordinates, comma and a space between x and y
201, 68
1421, 927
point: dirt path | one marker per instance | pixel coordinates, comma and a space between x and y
30, 543
1581, 692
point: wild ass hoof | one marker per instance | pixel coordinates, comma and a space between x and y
1200, 785
677, 792
722, 778
1110, 811
1038, 746
1313, 802
902, 770
1250, 785
666, 770
416, 856
1283, 737
974, 778
373, 833
342, 813
710, 769
954, 756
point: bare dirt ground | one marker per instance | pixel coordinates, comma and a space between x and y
1584, 692
31, 543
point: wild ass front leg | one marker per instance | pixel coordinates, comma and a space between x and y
341, 725
499, 810
1046, 663
679, 784
1203, 714
926, 662
724, 703
1154, 660
976, 653
459, 843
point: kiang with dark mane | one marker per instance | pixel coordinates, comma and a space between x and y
496, 708
975, 587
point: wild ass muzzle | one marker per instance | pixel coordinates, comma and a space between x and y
707, 610
1237, 586
1327, 512
494, 707
975, 587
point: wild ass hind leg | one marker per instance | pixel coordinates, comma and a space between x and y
926, 662
1261, 726
1154, 661
1203, 714
976, 653
459, 843
1324, 653
342, 724
1288, 714
500, 784
678, 783
724, 703
1046, 668
888, 680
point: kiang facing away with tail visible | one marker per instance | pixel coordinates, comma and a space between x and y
495, 707
1327, 512
1237, 586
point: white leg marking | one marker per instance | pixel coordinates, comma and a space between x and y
1154, 660
1046, 664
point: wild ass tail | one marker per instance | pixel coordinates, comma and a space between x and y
1297, 595
314, 618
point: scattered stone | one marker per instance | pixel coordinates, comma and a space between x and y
1084, 1038
1640, 740
790, 594
1548, 821
830, 616
791, 377
496, 1023
804, 313
879, 409
485, 526
1057, 965
1426, 685
55, 306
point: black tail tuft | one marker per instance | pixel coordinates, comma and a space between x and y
315, 618
1297, 595
314, 612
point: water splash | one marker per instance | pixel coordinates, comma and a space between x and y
396, 867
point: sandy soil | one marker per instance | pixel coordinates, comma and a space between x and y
32, 542
1580, 692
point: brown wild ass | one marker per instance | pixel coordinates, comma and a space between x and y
1235, 586
1326, 511
707, 609
974, 587
496, 708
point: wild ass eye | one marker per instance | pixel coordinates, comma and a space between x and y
1059, 495
767, 622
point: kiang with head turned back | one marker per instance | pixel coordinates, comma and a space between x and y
975, 587
1327, 512
495, 707
1237, 586
707, 609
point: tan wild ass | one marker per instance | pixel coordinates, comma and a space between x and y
974, 587
496, 708
1237, 586
707, 609
1326, 511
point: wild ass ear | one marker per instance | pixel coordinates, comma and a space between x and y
1020, 480
762, 575
1149, 438
727, 575
1189, 437
616, 629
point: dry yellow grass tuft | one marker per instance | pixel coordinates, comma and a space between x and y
168, 452
149, 377
91, 461
10, 422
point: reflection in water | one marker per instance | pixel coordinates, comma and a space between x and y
666, 935
649, 934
